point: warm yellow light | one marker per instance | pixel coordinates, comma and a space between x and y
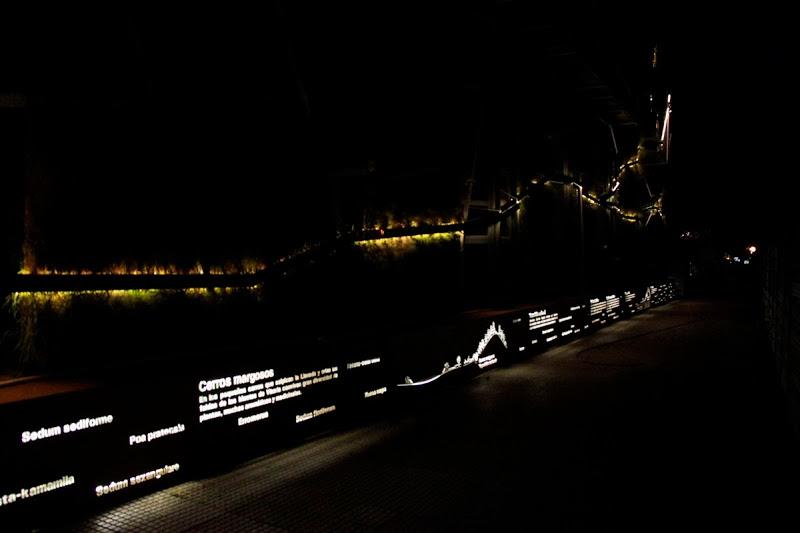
244, 266
591, 199
752, 249
400, 242
60, 301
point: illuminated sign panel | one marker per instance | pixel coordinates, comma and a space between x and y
597, 308
376, 392
56, 431
662, 293
65, 449
361, 364
163, 432
314, 414
612, 307
487, 360
541, 319
239, 394
548, 325
114, 486
244, 420
36, 490
495, 331
157, 434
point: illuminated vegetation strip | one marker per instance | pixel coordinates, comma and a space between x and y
406, 231
424, 238
82, 283
242, 267
416, 222
141, 293
132, 278
61, 300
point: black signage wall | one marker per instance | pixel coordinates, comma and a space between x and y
158, 426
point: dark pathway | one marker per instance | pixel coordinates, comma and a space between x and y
670, 420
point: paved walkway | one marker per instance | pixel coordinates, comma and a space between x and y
667, 421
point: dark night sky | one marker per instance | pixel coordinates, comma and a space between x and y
195, 124
732, 89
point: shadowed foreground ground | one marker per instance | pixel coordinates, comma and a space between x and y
669, 420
